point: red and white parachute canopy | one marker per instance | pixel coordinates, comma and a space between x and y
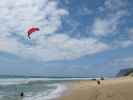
32, 30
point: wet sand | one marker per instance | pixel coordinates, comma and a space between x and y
112, 89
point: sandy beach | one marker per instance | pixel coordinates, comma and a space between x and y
111, 89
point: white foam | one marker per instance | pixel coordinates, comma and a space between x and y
12, 81
56, 93
1, 96
52, 95
20, 81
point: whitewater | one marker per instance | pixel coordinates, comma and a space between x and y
33, 88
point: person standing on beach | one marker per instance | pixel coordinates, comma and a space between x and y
98, 82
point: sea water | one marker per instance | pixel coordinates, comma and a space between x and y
33, 88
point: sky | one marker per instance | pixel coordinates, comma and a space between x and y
76, 37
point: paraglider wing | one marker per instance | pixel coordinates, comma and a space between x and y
31, 30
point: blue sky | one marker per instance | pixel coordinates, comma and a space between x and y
76, 37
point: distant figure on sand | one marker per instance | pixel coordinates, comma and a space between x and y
22, 94
102, 78
98, 82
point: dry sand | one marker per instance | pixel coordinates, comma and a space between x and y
113, 89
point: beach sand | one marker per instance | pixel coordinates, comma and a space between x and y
111, 89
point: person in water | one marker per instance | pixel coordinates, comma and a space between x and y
22, 94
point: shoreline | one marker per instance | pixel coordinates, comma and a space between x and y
67, 87
110, 89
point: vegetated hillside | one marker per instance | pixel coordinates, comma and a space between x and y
125, 72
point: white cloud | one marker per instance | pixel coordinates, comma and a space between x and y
102, 27
130, 33
85, 11
16, 16
56, 47
126, 43
69, 48
114, 5
85, 46
113, 11
121, 62
67, 1
122, 44
19, 15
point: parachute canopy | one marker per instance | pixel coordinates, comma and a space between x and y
31, 30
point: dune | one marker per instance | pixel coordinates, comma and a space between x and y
111, 89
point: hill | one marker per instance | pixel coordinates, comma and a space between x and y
125, 72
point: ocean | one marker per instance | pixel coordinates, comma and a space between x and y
33, 88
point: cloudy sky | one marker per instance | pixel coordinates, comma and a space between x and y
76, 37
